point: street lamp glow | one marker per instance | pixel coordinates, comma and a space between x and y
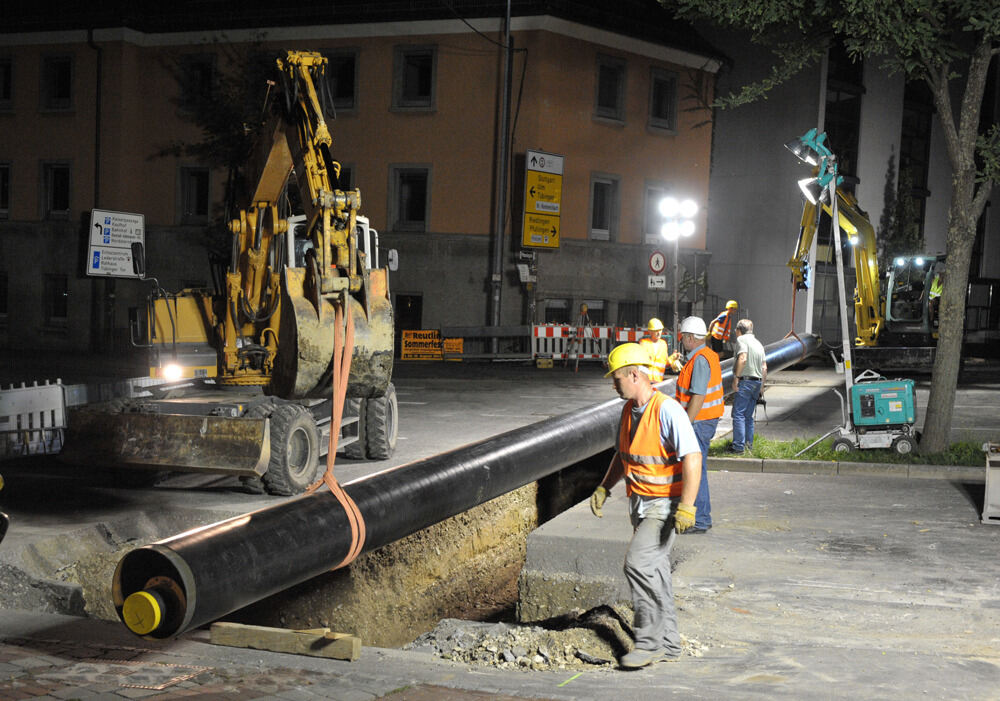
670, 230
669, 207
687, 227
688, 209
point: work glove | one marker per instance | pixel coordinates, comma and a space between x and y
684, 518
675, 362
597, 500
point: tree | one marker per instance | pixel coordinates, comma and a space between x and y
941, 42
898, 232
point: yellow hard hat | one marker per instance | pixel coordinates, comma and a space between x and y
655, 324
627, 354
731, 304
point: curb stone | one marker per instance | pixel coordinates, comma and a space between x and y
965, 473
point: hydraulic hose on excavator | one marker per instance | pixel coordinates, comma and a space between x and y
163, 589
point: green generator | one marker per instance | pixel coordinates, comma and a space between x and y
883, 404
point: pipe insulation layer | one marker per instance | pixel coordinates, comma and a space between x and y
165, 588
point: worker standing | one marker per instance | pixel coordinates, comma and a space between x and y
934, 296
657, 454
657, 349
721, 328
699, 391
749, 375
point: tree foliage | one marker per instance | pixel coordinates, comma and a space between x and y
949, 44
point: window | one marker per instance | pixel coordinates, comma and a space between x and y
55, 190
915, 148
557, 311
56, 299
652, 219
6, 83
57, 83
197, 79
409, 193
595, 312
414, 77
194, 195
844, 88
603, 207
4, 190
630, 313
610, 101
343, 80
663, 100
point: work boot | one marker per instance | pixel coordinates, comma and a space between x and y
640, 658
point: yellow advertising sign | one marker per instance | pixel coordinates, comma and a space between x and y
421, 345
543, 173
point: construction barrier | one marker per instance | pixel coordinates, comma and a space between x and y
32, 420
561, 342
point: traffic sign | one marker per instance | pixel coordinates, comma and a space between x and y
111, 237
543, 174
657, 262
657, 282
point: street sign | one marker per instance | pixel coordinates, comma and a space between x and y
543, 174
111, 237
657, 262
657, 282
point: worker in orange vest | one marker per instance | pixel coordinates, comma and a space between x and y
657, 349
699, 391
659, 457
721, 328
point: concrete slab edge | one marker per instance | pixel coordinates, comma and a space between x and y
965, 473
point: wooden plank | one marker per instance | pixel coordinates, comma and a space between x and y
318, 642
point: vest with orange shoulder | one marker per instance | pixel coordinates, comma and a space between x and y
714, 404
650, 469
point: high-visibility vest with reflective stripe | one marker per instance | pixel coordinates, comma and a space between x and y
723, 325
658, 355
714, 405
650, 469
936, 287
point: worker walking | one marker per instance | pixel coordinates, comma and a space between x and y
749, 375
720, 328
699, 391
657, 349
657, 454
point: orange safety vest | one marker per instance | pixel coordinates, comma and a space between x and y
723, 325
650, 469
658, 355
714, 405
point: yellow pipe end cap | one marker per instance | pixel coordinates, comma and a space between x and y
142, 612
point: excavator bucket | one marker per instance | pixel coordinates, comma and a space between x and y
304, 364
171, 442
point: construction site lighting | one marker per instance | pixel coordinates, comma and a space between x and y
813, 190
900, 262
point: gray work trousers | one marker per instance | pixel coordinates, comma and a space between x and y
647, 569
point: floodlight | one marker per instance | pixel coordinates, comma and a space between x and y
919, 261
669, 207
900, 262
803, 151
687, 227
688, 209
670, 230
813, 191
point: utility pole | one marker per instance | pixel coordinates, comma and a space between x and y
496, 279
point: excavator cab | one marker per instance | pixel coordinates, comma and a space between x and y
908, 283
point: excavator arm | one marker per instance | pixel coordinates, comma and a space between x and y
869, 314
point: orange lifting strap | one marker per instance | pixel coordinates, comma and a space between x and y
342, 350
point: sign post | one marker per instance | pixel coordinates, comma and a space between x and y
542, 199
111, 237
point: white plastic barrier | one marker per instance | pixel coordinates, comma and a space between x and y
32, 419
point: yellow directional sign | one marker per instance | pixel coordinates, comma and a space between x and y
542, 193
543, 173
540, 230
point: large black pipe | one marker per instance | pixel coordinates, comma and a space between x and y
198, 576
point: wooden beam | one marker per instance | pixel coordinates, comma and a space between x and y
318, 642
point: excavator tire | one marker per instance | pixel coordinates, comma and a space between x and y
381, 425
356, 450
294, 463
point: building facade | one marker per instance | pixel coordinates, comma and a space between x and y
94, 108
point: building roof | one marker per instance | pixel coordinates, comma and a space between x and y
646, 20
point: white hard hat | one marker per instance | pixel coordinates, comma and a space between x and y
694, 325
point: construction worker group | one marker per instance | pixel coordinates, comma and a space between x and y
662, 454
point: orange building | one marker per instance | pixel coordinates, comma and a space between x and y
93, 107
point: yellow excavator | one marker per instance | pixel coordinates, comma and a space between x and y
894, 325
248, 368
